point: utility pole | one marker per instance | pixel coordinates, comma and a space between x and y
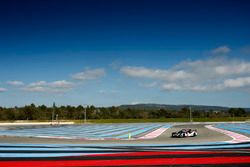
53, 113
233, 118
57, 120
85, 112
190, 114
85, 115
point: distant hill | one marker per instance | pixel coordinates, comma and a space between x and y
175, 107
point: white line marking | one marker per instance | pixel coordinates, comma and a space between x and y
153, 134
237, 138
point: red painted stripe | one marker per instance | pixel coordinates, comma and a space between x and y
158, 153
157, 161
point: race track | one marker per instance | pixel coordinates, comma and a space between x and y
149, 145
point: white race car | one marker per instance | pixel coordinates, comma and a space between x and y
185, 133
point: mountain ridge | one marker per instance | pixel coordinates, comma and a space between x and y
178, 107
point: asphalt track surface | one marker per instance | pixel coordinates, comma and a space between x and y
209, 148
205, 135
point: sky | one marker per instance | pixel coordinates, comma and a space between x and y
104, 53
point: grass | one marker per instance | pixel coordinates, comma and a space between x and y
220, 119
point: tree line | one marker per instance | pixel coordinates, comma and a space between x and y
42, 112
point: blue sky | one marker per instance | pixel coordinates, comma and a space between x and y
125, 52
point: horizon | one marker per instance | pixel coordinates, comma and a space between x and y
125, 105
125, 52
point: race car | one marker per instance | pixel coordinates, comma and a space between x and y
185, 133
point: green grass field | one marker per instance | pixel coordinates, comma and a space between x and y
221, 119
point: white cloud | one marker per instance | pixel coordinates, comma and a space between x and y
200, 88
221, 50
3, 90
89, 74
237, 82
168, 75
15, 83
234, 67
43, 86
61, 84
176, 87
150, 85
35, 89
213, 74
171, 86
38, 84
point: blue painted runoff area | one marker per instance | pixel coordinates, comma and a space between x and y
236, 127
84, 131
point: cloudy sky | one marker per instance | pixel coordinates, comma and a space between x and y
125, 52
